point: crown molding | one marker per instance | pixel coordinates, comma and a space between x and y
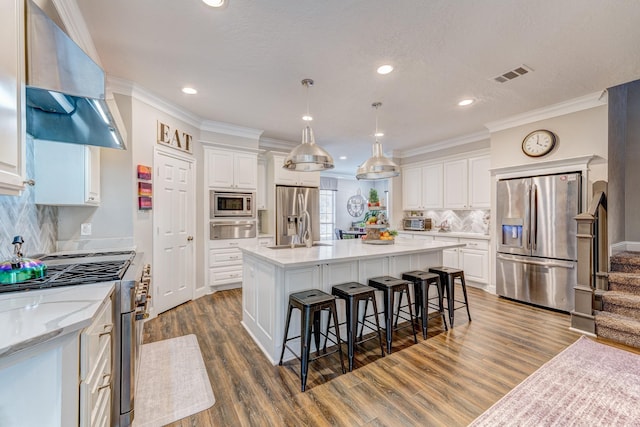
126, 87
76, 27
275, 144
230, 129
591, 100
447, 143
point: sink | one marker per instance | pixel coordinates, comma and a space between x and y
297, 246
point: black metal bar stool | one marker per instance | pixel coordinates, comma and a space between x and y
353, 293
311, 303
390, 286
422, 280
447, 277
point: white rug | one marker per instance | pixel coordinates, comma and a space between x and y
172, 383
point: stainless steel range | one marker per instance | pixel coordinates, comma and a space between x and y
131, 297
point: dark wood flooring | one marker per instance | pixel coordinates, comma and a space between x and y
447, 380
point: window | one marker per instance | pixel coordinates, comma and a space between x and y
327, 214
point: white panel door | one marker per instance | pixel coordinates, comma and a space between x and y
246, 171
412, 188
455, 184
174, 223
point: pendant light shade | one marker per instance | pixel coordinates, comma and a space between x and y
307, 156
377, 166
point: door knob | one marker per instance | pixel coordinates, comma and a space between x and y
190, 238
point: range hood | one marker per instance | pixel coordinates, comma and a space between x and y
65, 89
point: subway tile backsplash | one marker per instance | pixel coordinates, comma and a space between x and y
19, 215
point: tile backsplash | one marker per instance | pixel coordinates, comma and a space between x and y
19, 215
466, 221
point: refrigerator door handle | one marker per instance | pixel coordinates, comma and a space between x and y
561, 264
534, 217
527, 219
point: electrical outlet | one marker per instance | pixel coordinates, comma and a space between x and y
85, 229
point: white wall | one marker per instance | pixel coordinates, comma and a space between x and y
350, 187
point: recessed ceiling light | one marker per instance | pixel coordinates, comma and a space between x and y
307, 118
343, 157
378, 134
215, 3
385, 69
189, 90
465, 102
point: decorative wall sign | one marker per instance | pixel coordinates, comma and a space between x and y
174, 138
145, 189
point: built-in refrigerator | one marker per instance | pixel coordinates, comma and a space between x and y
291, 202
536, 241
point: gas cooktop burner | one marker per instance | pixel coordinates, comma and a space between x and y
81, 272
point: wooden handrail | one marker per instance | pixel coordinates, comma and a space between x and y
592, 244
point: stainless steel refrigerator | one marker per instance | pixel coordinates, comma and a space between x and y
536, 241
291, 202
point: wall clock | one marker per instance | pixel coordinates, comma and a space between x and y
355, 205
539, 143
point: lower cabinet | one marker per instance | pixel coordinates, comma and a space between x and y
225, 262
95, 370
473, 258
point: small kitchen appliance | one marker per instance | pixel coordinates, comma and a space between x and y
416, 223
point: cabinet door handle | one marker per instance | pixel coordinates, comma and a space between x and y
106, 383
106, 330
190, 238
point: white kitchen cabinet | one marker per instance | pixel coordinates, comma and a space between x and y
422, 187
479, 182
66, 174
95, 369
266, 241
283, 176
472, 258
225, 262
231, 169
261, 192
455, 184
12, 126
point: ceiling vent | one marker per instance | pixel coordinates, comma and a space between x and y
512, 74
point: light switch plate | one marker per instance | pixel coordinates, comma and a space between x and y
85, 229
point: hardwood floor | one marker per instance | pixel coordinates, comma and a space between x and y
447, 380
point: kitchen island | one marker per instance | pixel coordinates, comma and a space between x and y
270, 275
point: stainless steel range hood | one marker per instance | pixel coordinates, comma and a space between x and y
65, 90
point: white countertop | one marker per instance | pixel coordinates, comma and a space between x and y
344, 250
459, 234
29, 318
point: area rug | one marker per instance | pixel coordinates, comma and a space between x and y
588, 384
172, 383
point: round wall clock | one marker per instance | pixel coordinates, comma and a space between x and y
355, 205
538, 143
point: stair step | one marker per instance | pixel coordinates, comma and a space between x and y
626, 262
627, 282
618, 328
622, 303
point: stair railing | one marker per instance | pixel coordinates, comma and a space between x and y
593, 260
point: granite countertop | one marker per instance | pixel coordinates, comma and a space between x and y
29, 318
461, 234
344, 250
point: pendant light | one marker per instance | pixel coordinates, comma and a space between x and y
378, 166
307, 156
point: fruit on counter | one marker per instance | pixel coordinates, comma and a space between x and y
372, 220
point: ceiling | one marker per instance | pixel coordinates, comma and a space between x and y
247, 61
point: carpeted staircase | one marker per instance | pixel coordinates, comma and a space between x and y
619, 319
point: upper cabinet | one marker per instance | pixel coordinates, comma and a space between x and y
422, 187
231, 169
452, 184
261, 193
12, 127
283, 176
66, 174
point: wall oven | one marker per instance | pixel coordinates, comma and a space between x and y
225, 204
240, 229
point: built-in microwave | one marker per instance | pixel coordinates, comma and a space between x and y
225, 204
416, 223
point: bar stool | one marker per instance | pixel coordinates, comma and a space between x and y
422, 280
390, 286
448, 276
311, 303
353, 293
